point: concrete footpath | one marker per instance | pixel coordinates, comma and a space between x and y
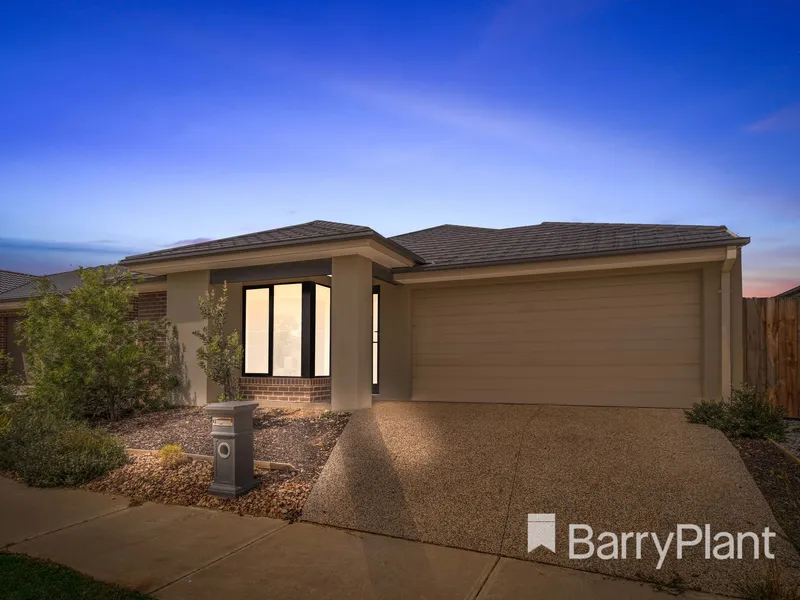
176, 552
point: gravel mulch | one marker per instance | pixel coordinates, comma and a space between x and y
302, 438
280, 495
778, 478
792, 443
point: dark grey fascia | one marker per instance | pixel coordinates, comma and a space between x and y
290, 270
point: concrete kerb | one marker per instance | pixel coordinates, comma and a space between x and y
258, 464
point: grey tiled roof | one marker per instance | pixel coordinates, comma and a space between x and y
64, 282
791, 294
11, 279
311, 232
451, 246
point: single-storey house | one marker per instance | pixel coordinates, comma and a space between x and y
555, 313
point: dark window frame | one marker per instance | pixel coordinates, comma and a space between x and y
376, 387
270, 320
307, 331
314, 331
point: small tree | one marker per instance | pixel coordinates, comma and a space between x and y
87, 356
220, 356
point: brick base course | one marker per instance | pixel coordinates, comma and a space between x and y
287, 389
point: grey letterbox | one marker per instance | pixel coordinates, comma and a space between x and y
232, 433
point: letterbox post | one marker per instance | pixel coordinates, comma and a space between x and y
232, 434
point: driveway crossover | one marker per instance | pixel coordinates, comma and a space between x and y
467, 476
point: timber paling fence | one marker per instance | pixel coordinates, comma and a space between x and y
771, 334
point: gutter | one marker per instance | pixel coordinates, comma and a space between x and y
725, 309
153, 257
424, 268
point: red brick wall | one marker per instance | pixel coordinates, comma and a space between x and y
150, 305
5, 333
288, 389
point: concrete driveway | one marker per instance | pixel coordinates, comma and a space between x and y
467, 475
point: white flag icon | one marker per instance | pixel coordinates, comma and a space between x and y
542, 531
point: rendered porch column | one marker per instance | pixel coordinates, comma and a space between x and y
351, 333
183, 292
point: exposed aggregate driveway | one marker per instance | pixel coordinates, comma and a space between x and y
467, 476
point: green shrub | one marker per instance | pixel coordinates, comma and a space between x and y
746, 414
87, 355
47, 449
708, 412
172, 456
752, 415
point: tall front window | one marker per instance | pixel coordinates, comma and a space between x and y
322, 332
287, 345
287, 330
256, 330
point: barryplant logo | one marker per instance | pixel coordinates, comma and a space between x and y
542, 531
630, 545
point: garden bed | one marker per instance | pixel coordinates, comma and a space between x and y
279, 494
778, 477
792, 442
302, 438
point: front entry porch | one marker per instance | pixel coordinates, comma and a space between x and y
310, 329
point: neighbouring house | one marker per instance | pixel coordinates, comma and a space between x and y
11, 279
792, 294
151, 302
555, 313
8, 281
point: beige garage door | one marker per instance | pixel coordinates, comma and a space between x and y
630, 340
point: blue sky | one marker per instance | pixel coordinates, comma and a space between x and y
129, 128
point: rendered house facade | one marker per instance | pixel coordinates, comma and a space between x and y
556, 313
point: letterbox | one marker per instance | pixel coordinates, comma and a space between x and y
232, 434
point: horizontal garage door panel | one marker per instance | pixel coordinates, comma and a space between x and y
546, 332
679, 302
578, 358
625, 340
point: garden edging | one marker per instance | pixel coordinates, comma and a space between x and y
258, 464
786, 451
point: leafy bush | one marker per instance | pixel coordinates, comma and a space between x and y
171, 456
47, 449
747, 414
752, 415
708, 412
87, 355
